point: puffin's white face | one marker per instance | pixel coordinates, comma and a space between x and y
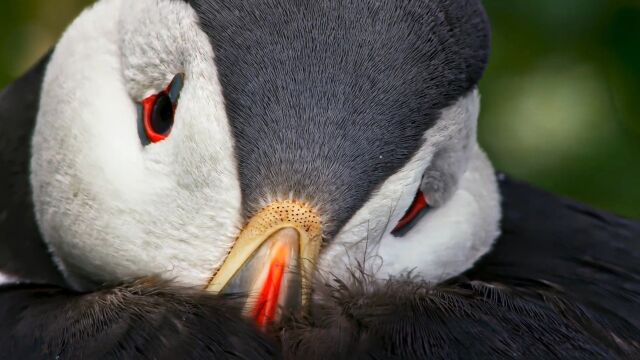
109, 206
113, 207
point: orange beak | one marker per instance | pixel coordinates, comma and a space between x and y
273, 261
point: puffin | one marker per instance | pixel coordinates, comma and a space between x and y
282, 179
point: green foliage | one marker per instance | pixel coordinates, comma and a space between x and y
559, 98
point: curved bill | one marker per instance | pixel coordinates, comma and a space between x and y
272, 261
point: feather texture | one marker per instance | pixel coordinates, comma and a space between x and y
562, 281
147, 319
543, 292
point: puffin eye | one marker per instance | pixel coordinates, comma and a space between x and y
418, 208
158, 111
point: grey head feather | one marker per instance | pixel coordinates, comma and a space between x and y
326, 99
448, 164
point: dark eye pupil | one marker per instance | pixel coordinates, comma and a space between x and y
162, 114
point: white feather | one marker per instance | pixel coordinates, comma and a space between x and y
450, 238
109, 208
112, 209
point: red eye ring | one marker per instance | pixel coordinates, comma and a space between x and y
158, 111
417, 207
148, 106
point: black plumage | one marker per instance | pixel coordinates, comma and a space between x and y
355, 84
147, 319
541, 293
22, 252
562, 281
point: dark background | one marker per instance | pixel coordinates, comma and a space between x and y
560, 97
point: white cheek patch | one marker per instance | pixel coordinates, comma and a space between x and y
449, 239
109, 207
366, 240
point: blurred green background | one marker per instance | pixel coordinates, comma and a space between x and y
560, 97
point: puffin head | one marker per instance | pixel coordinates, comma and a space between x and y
247, 146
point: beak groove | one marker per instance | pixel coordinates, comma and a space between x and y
272, 260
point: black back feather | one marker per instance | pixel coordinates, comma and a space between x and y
144, 320
563, 281
22, 253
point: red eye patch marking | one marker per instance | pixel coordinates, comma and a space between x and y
417, 207
158, 110
148, 106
